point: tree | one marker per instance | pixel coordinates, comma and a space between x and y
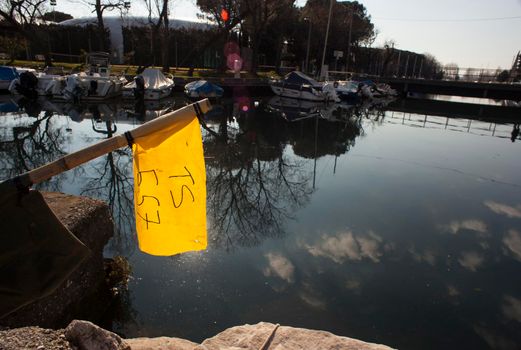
451, 71
503, 76
100, 6
56, 16
263, 14
159, 9
350, 28
227, 14
11, 45
21, 14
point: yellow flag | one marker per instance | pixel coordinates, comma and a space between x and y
170, 189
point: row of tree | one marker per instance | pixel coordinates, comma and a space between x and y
267, 32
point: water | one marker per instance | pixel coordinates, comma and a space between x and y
385, 226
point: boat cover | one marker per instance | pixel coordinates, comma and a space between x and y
204, 88
154, 79
299, 78
8, 73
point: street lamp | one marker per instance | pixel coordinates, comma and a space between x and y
307, 50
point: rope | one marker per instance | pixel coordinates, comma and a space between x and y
130, 139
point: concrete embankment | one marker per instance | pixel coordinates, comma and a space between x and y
91, 222
262, 336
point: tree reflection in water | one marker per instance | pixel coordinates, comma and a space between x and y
254, 183
111, 181
31, 141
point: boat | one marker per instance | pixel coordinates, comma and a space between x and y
298, 85
33, 84
8, 74
371, 90
203, 89
96, 84
151, 84
348, 90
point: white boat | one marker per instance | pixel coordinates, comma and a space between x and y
96, 84
151, 84
300, 86
31, 84
90, 87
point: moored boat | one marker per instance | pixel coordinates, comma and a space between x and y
151, 84
300, 86
203, 89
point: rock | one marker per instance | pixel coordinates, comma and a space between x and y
33, 338
160, 343
90, 221
252, 337
87, 336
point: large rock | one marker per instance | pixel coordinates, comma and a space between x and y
252, 337
87, 336
90, 221
160, 343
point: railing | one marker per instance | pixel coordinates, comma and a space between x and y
474, 127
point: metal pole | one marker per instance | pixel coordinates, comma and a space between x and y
316, 146
327, 34
406, 66
349, 40
398, 66
414, 66
307, 50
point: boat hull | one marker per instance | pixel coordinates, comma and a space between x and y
298, 94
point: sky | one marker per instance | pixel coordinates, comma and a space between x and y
470, 33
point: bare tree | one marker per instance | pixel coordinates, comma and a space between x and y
22, 13
100, 6
159, 28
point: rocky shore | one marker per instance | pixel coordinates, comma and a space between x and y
84, 335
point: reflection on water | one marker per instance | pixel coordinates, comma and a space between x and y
368, 221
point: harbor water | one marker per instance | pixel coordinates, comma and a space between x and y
366, 221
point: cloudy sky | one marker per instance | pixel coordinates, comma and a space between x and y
471, 33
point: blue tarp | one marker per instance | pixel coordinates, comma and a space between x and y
205, 89
8, 73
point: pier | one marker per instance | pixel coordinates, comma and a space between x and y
499, 91
439, 108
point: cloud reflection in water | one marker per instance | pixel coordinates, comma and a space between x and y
504, 209
512, 241
279, 266
471, 260
347, 246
